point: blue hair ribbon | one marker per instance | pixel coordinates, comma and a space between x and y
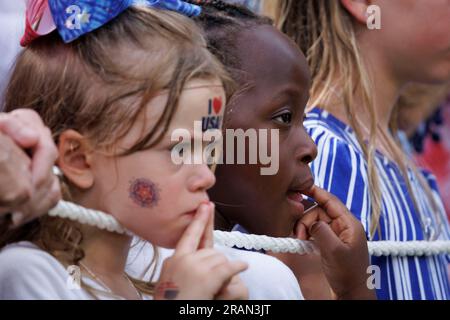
74, 18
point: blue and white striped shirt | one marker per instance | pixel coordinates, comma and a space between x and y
341, 169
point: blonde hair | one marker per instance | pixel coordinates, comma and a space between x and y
98, 85
324, 30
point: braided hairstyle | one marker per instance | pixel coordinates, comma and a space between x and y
222, 23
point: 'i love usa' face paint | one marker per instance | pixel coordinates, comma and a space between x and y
214, 118
144, 193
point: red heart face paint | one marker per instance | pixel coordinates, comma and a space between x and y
144, 193
217, 104
213, 120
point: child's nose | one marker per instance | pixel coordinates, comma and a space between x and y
307, 150
202, 178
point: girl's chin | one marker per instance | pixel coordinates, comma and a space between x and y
168, 239
171, 238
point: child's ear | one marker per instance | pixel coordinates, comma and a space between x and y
75, 157
357, 9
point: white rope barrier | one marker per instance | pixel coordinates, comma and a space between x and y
101, 220
256, 242
104, 221
376, 248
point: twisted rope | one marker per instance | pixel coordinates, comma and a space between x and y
104, 221
101, 220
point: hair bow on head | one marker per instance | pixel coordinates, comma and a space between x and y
74, 18
38, 21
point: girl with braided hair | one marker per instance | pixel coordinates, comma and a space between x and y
272, 89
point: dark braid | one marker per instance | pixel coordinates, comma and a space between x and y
222, 23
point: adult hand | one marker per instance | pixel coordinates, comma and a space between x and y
34, 192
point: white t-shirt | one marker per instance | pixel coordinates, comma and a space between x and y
266, 278
29, 273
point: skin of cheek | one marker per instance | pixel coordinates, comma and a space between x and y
144, 193
142, 203
149, 211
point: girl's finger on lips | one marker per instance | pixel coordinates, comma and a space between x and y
328, 202
190, 239
208, 236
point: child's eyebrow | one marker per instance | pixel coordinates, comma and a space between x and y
290, 91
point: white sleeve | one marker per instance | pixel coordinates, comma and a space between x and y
28, 273
266, 278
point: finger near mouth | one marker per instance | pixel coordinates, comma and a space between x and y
309, 204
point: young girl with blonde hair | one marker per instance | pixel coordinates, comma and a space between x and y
112, 98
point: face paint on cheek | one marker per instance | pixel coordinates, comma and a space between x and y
144, 193
213, 120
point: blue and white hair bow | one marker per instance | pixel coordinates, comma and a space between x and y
74, 18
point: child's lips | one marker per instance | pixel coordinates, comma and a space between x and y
191, 213
301, 201
296, 194
295, 198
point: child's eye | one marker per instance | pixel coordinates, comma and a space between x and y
284, 118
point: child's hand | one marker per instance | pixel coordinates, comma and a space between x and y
36, 191
196, 271
234, 290
342, 242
